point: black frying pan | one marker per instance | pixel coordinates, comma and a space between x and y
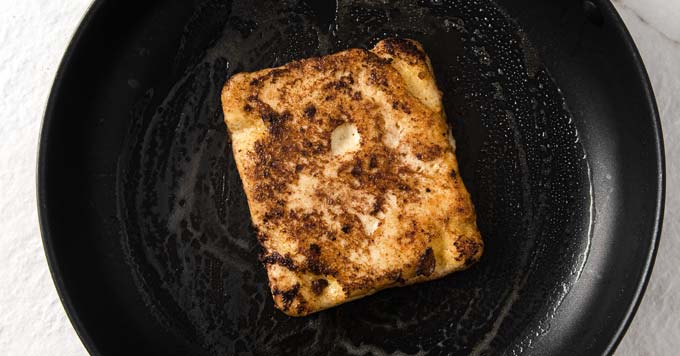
146, 227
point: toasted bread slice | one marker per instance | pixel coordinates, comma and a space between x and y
350, 174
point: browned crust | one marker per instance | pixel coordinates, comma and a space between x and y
313, 97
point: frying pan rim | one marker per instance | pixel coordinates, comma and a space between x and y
660, 156
94, 11
41, 179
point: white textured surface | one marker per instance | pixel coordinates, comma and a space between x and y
33, 36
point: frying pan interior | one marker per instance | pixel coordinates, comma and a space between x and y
147, 230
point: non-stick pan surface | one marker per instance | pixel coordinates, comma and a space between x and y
146, 226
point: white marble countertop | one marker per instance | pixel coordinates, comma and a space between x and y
33, 37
